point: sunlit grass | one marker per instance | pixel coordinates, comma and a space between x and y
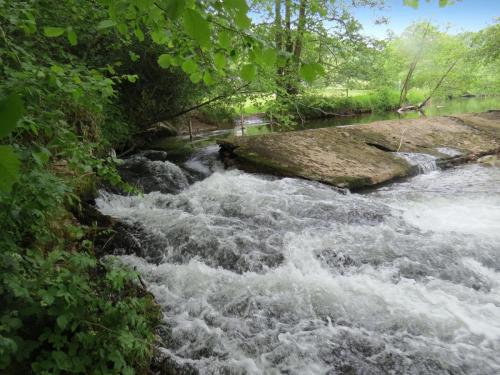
253, 105
337, 92
358, 100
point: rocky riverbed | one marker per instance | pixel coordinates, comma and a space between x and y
365, 155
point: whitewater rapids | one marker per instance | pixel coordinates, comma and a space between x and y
260, 275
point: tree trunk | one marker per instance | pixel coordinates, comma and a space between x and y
288, 27
413, 65
278, 33
292, 73
300, 34
287, 70
278, 36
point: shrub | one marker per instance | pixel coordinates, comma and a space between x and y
63, 310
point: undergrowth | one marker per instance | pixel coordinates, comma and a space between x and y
63, 310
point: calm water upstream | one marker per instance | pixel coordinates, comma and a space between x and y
434, 108
261, 275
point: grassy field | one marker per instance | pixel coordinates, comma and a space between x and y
259, 104
336, 92
334, 99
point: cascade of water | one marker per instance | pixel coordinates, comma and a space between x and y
152, 172
267, 276
426, 163
205, 161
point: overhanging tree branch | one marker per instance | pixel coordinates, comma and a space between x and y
164, 116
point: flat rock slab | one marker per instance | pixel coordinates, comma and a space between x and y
357, 156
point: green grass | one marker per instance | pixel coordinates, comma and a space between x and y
254, 105
334, 99
337, 92
318, 106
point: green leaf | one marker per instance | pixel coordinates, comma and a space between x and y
309, 72
411, 3
132, 78
62, 360
47, 297
139, 34
72, 38
105, 24
159, 36
248, 72
219, 61
9, 168
189, 66
269, 56
225, 40
174, 8
265, 57
133, 56
53, 32
239, 8
11, 111
197, 27
242, 21
208, 79
195, 77
62, 321
57, 69
41, 158
165, 61
239, 5
122, 28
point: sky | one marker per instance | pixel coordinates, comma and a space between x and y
462, 15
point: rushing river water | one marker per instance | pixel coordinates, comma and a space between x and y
261, 275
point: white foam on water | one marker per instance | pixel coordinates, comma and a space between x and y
269, 276
205, 161
426, 163
449, 151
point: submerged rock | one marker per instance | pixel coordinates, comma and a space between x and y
365, 155
155, 155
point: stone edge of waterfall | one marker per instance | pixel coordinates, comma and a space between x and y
362, 156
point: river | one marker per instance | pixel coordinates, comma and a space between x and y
264, 275
436, 107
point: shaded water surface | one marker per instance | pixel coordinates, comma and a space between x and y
259, 275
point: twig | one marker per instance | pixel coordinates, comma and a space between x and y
401, 140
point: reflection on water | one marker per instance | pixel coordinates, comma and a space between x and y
434, 108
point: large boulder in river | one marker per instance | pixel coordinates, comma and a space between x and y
364, 155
